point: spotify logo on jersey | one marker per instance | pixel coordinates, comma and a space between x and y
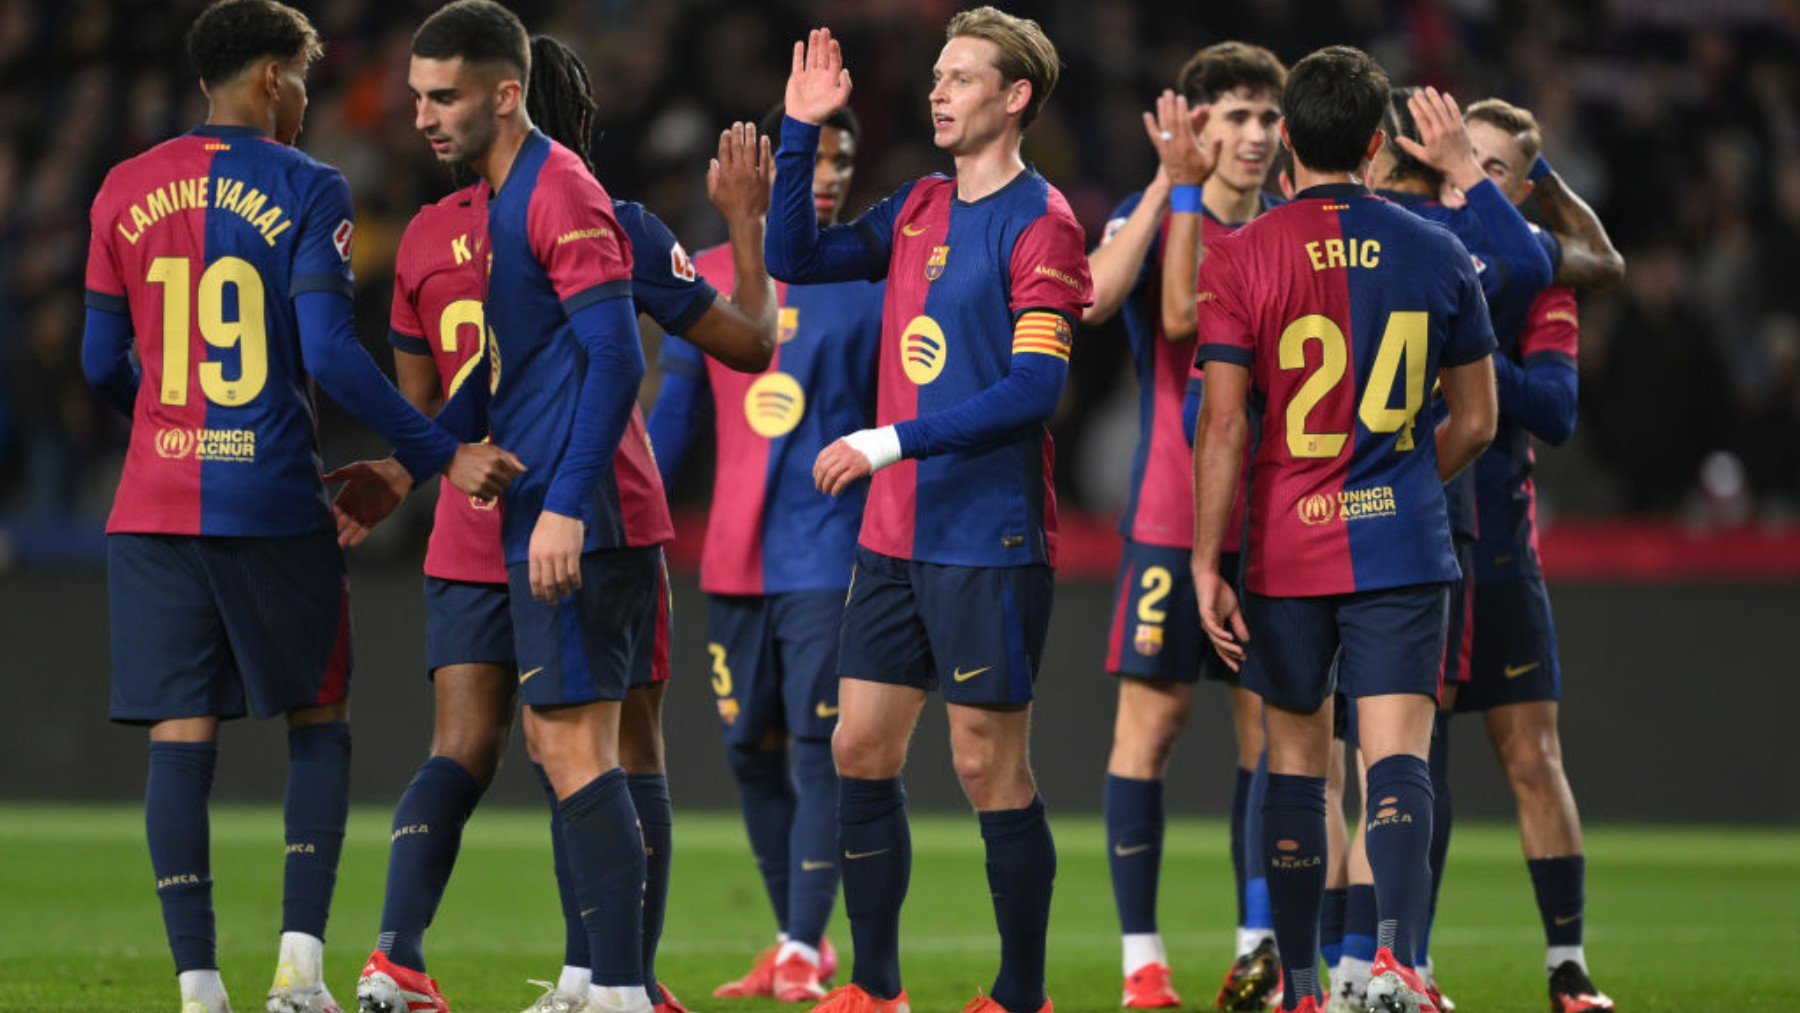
922, 350
773, 405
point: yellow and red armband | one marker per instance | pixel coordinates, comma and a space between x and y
1045, 333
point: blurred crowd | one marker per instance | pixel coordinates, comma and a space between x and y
1678, 120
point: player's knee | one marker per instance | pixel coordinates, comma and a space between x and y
479, 755
992, 781
1533, 770
864, 756
640, 748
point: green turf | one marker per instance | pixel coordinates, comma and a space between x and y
1686, 919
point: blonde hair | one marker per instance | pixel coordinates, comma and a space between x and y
1025, 51
1515, 120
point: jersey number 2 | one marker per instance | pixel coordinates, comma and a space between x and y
1404, 346
248, 332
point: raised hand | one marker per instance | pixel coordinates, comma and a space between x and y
1443, 138
372, 489
739, 178
818, 85
483, 470
1174, 130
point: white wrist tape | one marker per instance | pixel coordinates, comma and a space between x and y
880, 446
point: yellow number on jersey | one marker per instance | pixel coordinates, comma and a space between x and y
247, 332
1404, 345
459, 314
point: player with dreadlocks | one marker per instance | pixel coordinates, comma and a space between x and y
438, 335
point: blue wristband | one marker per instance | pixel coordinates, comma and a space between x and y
1539, 169
1184, 198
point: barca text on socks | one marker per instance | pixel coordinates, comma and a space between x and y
422, 849
766, 796
812, 843
175, 821
1397, 833
1021, 871
1293, 827
318, 804
875, 845
1134, 838
656, 815
606, 865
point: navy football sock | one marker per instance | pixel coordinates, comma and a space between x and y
876, 846
575, 939
1331, 925
1560, 884
175, 822
767, 797
656, 816
1257, 912
812, 843
1240, 802
606, 866
318, 803
1359, 922
1294, 855
1440, 825
1398, 834
1134, 837
422, 849
1021, 868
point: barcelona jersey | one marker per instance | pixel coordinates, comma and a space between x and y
556, 248
437, 311
1343, 307
770, 531
204, 241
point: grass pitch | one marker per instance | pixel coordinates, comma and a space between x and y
1688, 919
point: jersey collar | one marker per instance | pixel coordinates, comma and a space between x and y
1333, 191
218, 130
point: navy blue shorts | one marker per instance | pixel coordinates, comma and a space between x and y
467, 624
774, 663
975, 632
1156, 631
593, 644
226, 626
1392, 640
1515, 658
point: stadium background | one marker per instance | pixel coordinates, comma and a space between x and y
1670, 517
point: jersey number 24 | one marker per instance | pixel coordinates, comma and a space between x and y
1404, 346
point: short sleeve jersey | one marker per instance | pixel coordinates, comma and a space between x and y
557, 248
770, 531
1343, 307
204, 241
959, 275
1505, 492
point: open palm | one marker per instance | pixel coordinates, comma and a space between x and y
818, 85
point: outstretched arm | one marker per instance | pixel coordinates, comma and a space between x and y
740, 332
1189, 166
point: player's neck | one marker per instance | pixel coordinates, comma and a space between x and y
226, 110
1409, 184
496, 163
1306, 179
983, 173
1229, 204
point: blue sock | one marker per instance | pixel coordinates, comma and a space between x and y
812, 843
318, 804
1257, 912
1561, 887
606, 866
1021, 870
767, 797
1240, 803
1331, 925
575, 939
1134, 837
175, 822
656, 817
1359, 922
422, 849
1440, 825
1398, 835
1294, 855
877, 852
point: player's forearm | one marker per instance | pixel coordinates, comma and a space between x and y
1474, 414
673, 420
1116, 264
345, 370
1543, 397
608, 332
416, 376
1026, 396
1521, 255
106, 359
1589, 258
464, 414
1219, 442
796, 250
1181, 268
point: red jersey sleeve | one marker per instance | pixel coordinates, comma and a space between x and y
405, 332
1224, 325
574, 235
1553, 328
105, 288
1049, 264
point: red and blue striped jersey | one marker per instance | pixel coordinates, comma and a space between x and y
203, 242
1159, 509
1505, 493
556, 248
959, 275
437, 311
769, 530
1343, 306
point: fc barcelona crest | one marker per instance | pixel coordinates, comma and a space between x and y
787, 324
934, 268
1149, 640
